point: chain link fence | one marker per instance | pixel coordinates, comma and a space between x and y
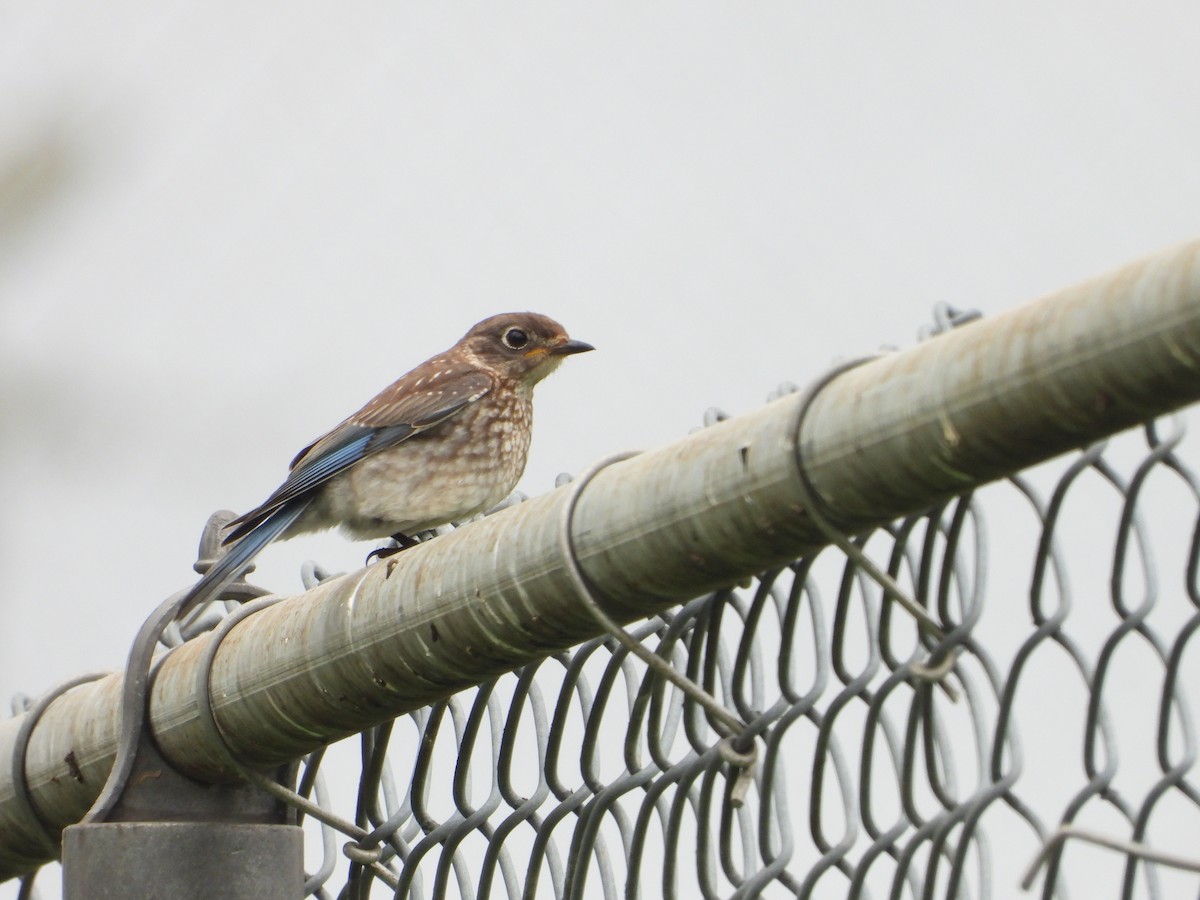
876, 761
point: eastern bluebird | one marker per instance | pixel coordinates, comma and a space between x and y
443, 443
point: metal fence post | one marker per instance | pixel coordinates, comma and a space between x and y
182, 861
172, 837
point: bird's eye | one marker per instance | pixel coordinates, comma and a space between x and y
515, 339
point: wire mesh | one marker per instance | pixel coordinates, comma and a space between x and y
888, 764
895, 790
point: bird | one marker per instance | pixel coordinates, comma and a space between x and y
440, 444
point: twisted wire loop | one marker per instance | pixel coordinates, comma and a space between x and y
170, 624
617, 768
737, 748
941, 662
34, 709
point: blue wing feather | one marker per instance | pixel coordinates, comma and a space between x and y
422, 399
347, 448
337, 458
352, 440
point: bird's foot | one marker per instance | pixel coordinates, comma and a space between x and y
403, 542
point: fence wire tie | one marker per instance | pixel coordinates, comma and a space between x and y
743, 762
20, 780
936, 672
364, 849
734, 730
141, 661
366, 856
1129, 848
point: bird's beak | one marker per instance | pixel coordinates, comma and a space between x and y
569, 347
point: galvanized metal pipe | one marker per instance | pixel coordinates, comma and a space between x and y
891, 437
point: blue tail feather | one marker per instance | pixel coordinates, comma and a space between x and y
232, 564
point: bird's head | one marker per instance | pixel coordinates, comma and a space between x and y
524, 346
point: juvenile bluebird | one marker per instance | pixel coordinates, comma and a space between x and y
443, 443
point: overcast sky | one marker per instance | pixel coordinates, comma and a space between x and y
225, 226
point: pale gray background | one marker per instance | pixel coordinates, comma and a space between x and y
225, 226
